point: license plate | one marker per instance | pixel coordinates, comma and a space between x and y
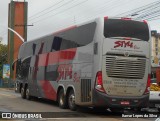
157, 105
125, 103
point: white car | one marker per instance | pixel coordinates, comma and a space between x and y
154, 99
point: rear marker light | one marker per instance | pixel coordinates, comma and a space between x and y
126, 18
106, 18
145, 21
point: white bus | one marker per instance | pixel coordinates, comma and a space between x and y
102, 63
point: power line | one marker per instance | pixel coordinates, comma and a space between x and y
139, 9
146, 10
115, 4
102, 11
148, 14
52, 10
60, 12
45, 9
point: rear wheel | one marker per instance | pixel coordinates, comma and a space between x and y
62, 99
23, 94
28, 97
71, 101
159, 109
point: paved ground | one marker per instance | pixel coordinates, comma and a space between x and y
12, 102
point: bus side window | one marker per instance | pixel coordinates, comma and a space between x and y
18, 69
76, 37
56, 44
67, 44
25, 67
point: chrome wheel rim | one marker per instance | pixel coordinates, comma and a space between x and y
72, 100
27, 93
61, 100
22, 91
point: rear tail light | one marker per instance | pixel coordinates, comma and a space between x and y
126, 18
99, 83
106, 17
145, 21
148, 84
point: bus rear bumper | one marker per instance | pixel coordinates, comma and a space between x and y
103, 100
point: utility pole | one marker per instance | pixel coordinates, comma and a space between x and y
18, 25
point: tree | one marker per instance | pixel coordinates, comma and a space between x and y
3, 57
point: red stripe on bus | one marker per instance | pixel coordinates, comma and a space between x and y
66, 29
55, 57
48, 90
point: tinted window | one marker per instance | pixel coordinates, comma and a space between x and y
126, 28
76, 37
56, 43
68, 44
79, 36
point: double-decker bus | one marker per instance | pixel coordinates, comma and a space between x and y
102, 63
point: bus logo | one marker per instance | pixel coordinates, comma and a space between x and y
65, 72
123, 44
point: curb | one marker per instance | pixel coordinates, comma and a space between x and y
7, 88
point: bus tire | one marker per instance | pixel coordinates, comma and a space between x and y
62, 99
71, 101
28, 97
23, 94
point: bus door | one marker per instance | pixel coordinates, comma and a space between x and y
32, 77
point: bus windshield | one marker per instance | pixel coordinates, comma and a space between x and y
126, 28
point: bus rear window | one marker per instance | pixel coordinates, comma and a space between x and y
126, 28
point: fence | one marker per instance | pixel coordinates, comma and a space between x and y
6, 83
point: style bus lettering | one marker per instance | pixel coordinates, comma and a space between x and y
123, 44
65, 71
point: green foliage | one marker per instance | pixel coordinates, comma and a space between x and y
3, 57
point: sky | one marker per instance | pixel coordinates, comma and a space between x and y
49, 16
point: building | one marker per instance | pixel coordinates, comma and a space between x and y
155, 52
